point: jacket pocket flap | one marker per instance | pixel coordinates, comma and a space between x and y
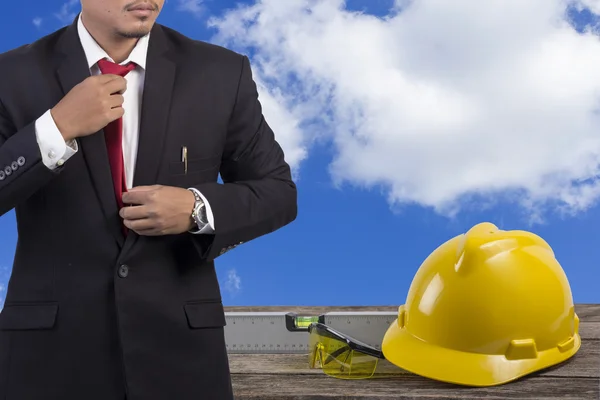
205, 314
28, 316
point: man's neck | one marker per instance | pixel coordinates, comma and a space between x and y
117, 47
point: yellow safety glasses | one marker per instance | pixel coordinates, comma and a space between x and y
339, 355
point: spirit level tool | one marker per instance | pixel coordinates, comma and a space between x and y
281, 332
267, 332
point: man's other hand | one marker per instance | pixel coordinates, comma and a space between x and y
90, 106
158, 210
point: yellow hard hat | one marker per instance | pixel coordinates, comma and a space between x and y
485, 308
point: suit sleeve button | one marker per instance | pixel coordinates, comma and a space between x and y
123, 271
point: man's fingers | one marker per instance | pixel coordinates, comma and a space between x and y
136, 196
116, 100
106, 78
146, 227
118, 85
140, 225
142, 216
135, 212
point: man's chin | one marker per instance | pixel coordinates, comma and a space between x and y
135, 33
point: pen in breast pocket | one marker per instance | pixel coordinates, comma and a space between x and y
184, 158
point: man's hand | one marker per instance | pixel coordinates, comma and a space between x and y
90, 106
158, 210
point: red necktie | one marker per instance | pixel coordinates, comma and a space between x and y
113, 134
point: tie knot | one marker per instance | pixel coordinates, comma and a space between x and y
109, 67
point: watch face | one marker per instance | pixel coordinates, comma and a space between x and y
200, 215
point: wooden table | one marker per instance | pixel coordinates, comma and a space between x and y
287, 377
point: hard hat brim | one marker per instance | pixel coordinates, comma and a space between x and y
469, 369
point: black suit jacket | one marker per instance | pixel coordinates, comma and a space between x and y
91, 314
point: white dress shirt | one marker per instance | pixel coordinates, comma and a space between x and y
55, 151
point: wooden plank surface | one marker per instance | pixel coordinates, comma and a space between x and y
265, 387
287, 376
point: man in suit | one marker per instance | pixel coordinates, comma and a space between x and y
113, 131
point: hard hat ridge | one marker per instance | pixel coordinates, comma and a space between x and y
485, 241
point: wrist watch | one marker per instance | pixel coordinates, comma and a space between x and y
199, 211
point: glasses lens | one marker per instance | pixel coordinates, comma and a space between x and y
337, 359
314, 347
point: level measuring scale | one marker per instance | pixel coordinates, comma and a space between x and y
267, 332
287, 333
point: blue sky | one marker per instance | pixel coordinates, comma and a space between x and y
406, 123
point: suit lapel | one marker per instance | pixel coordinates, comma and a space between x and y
73, 69
156, 102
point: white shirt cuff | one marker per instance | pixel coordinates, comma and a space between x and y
55, 151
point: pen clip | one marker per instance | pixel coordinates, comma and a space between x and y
184, 158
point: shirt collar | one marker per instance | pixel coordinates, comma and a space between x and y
95, 53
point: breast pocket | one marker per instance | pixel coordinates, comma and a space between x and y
199, 170
194, 165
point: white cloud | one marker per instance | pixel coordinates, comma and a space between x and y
284, 117
440, 103
592, 5
194, 7
233, 284
67, 14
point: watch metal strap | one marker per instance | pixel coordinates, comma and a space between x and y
196, 196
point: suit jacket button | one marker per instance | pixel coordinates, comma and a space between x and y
123, 271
